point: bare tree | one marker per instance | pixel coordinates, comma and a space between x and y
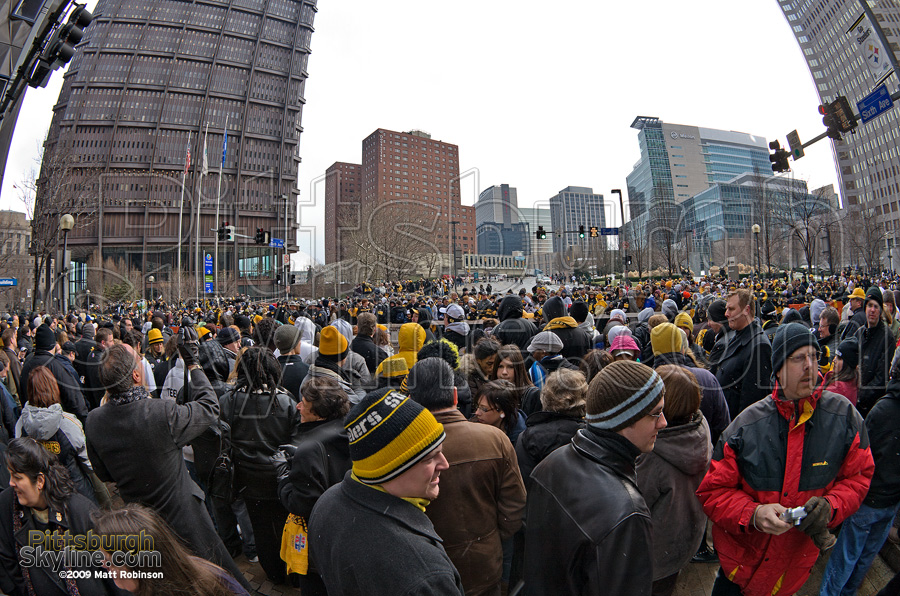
803, 218
61, 186
866, 235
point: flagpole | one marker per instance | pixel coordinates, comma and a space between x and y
218, 201
187, 164
197, 263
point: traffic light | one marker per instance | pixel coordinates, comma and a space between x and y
594, 231
278, 280
229, 233
260, 236
843, 114
541, 234
221, 233
61, 46
830, 121
581, 231
293, 278
779, 158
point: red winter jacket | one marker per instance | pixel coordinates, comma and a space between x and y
828, 456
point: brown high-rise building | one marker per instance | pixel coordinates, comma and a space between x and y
408, 169
147, 82
343, 190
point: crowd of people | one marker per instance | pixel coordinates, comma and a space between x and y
423, 437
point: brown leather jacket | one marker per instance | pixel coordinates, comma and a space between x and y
481, 502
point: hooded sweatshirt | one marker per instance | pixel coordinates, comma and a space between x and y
576, 341
668, 478
355, 364
308, 351
513, 329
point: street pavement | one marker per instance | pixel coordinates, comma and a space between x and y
695, 580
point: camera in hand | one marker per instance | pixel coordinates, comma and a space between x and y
793, 516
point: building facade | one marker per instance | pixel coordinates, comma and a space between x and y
845, 57
678, 162
405, 177
499, 228
152, 82
534, 217
570, 208
15, 262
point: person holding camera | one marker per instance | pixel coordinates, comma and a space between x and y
136, 441
787, 468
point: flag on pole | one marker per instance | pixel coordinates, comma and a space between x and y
205, 169
224, 146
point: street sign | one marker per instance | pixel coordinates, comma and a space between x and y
208, 287
8, 281
609, 231
208, 265
875, 103
793, 139
276, 243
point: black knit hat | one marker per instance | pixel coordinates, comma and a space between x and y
716, 312
621, 394
44, 338
789, 338
228, 335
848, 351
874, 293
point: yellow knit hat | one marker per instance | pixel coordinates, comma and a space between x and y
332, 344
684, 321
389, 433
665, 338
154, 336
393, 367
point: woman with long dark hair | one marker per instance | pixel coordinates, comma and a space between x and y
262, 416
510, 366
321, 459
42, 498
498, 405
180, 571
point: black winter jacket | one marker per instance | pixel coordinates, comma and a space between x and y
883, 426
259, 423
745, 368
571, 545
365, 347
513, 329
321, 461
544, 433
876, 351
293, 373
357, 533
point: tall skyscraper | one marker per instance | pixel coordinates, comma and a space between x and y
538, 216
149, 80
343, 192
845, 58
679, 161
498, 228
418, 176
570, 208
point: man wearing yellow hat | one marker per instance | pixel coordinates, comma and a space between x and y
854, 313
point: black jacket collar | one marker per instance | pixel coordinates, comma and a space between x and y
384, 504
608, 449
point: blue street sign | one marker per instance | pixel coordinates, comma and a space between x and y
276, 243
208, 265
8, 281
609, 231
208, 287
875, 103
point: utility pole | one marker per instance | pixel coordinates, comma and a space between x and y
617, 191
453, 225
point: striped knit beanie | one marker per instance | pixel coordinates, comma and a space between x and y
621, 394
389, 433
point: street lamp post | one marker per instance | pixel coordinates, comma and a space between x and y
755, 229
66, 223
617, 191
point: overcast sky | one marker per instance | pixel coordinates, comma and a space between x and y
535, 95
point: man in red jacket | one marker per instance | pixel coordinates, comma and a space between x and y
751, 484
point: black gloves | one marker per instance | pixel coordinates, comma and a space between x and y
188, 344
818, 514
